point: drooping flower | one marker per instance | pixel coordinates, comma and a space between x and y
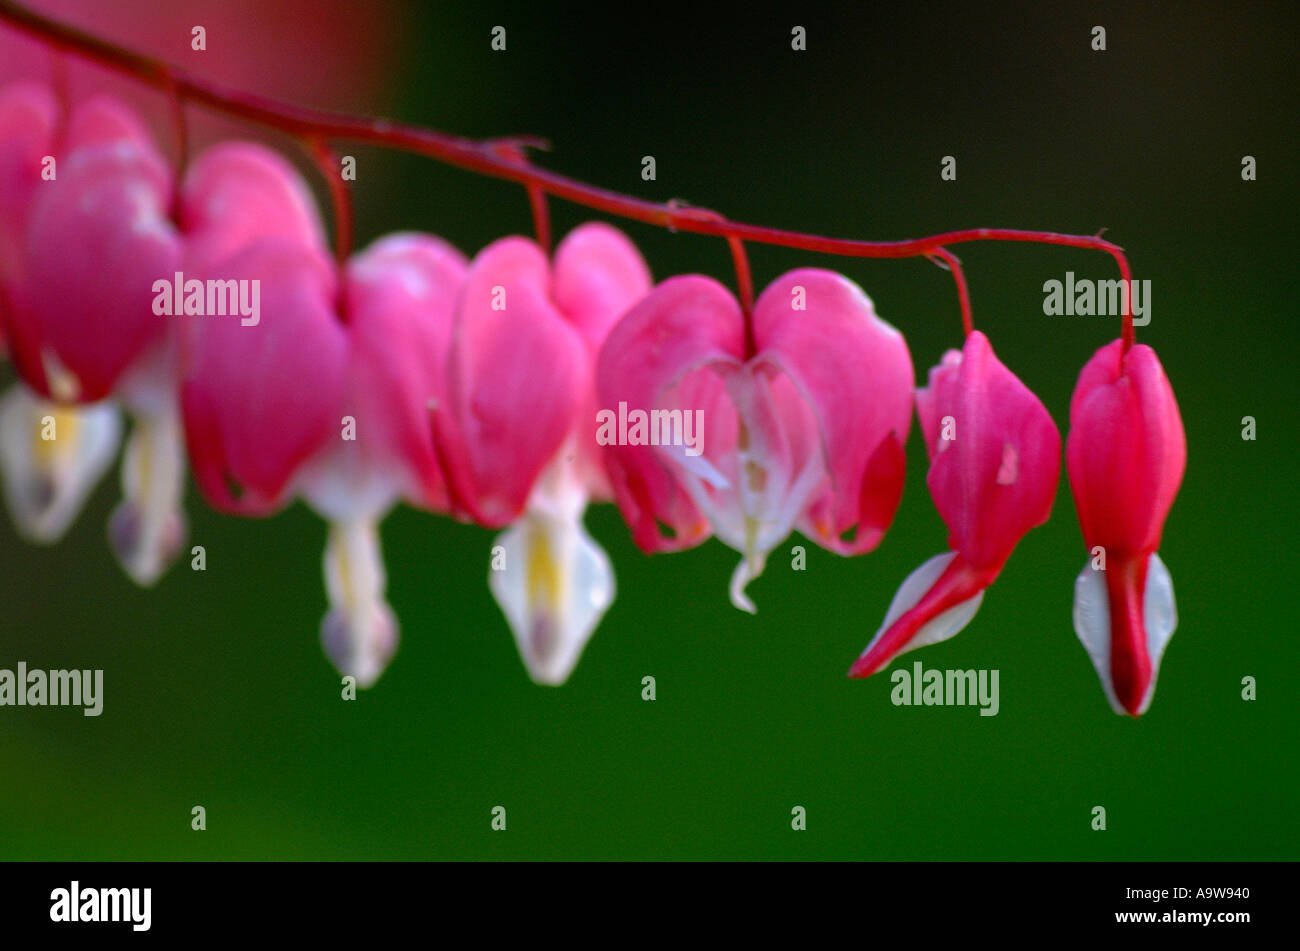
327, 396
97, 236
51, 455
517, 432
401, 295
82, 325
805, 431
1125, 454
103, 234
995, 458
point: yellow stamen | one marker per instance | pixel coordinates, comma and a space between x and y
545, 573
66, 427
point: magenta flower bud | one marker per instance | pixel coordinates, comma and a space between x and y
1125, 454
995, 457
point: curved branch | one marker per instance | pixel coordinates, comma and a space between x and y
486, 158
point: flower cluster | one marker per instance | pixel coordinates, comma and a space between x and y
209, 307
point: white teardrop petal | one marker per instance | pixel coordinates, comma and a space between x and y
909, 594
1092, 624
1161, 617
360, 643
47, 482
1092, 627
360, 632
555, 587
148, 529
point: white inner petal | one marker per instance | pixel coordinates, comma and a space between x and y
359, 632
48, 481
556, 583
1092, 624
753, 499
148, 529
910, 593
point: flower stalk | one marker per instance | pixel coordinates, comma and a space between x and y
486, 157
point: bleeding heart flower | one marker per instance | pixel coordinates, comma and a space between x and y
517, 433
995, 458
81, 325
96, 238
100, 235
327, 395
1125, 454
806, 431
401, 297
51, 456
233, 194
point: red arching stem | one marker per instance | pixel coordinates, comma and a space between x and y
59, 78
740, 261
541, 217
949, 261
62, 95
180, 128
744, 278
328, 163
1127, 276
513, 149
181, 133
745, 286
485, 158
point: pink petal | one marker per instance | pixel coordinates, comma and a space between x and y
854, 370
1126, 451
926, 411
28, 116
515, 382
103, 120
238, 192
996, 479
674, 340
259, 400
401, 303
599, 276
97, 241
933, 604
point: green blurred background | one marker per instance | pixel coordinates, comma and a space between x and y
218, 694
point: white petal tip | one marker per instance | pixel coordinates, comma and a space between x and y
556, 586
939, 628
745, 572
51, 459
145, 560
360, 645
1092, 625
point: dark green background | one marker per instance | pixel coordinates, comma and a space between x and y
217, 692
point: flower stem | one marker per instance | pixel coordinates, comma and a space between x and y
485, 158
949, 262
328, 163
